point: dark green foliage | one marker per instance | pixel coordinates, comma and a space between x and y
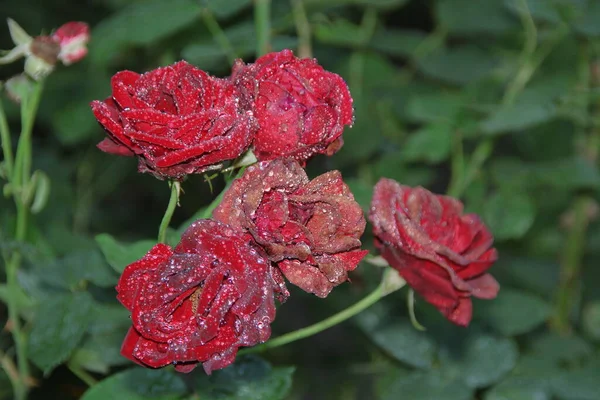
498, 100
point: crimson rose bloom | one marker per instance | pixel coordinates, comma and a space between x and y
441, 253
177, 120
300, 107
199, 302
310, 229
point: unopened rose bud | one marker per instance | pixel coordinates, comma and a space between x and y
72, 38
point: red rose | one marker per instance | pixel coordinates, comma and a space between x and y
301, 108
177, 120
441, 253
310, 229
199, 302
73, 38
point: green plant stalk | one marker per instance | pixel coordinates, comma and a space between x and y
82, 374
571, 266
20, 180
6, 143
218, 34
262, 22
29, 107
456, 185
302, 29
327, 323
173, 200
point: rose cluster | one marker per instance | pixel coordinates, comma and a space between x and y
178, 120
215, 291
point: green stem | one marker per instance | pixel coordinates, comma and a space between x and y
327, 323
218, 34
6, 143
20, 179
29, 106
173, 200
457, 177
262, 22
82, 374
571, 266
302, 29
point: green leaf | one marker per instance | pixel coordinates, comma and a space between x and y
591, 320
139, 384
518, 116
100, 349
533, 274
391, 165
431, 144
518, 389
226, 8
581, 384
340, 33
509, 214
561, 350
209, 55
59, 326
403, 342
513, 312
250, 378
434, 107
587, 22
77, 267
389, 4
120, 255
430, 385
142, 23
487, 359
396, 42
535, 105
25, 304
540, 10
74, 124
463, 17
362, 191
567, 174
459, 66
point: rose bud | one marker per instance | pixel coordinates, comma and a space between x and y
301, 108
310, 229
199, 302
441, 253
72, 38
177, 120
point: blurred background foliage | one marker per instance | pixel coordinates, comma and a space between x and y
493, 101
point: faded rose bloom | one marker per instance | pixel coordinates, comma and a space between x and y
441, 253
199, 302
301, 108
310, 229
177, 120
72, 38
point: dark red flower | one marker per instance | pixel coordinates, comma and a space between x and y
310, 229
72, 38
177, 120
199, 302
441, 253
301, 108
